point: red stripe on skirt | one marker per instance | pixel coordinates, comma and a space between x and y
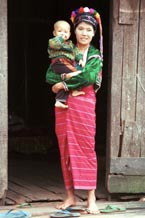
75, 129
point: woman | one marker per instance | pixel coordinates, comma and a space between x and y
75, 126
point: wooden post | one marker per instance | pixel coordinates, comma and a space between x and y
3, 98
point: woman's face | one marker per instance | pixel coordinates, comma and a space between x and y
84, 33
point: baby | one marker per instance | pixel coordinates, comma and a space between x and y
64, 56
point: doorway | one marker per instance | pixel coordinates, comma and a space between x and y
31, 101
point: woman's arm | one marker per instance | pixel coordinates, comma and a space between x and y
52, 77
90, 74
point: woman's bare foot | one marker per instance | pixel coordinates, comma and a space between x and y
67, 203
92, 207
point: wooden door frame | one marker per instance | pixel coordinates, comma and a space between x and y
3, 100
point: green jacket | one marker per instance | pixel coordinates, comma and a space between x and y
57, 47
91, 73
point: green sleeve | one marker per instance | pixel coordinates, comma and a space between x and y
52, 77
90, 75
55, 42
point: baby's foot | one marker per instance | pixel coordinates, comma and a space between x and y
60, 105
77, 93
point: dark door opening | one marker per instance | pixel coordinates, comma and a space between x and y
31, 101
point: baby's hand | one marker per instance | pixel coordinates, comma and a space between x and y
81, 63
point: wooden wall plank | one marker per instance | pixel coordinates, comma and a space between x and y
140, 97
115, 83
127, 10
126, 184
123, 83
128, 166
3, 97
131, 140
128, 103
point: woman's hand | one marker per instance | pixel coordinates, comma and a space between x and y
57, 87
70, 75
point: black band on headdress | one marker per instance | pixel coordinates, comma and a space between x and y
86, 17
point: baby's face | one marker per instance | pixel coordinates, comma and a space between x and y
62, 30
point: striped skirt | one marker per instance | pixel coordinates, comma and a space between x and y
75, 129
